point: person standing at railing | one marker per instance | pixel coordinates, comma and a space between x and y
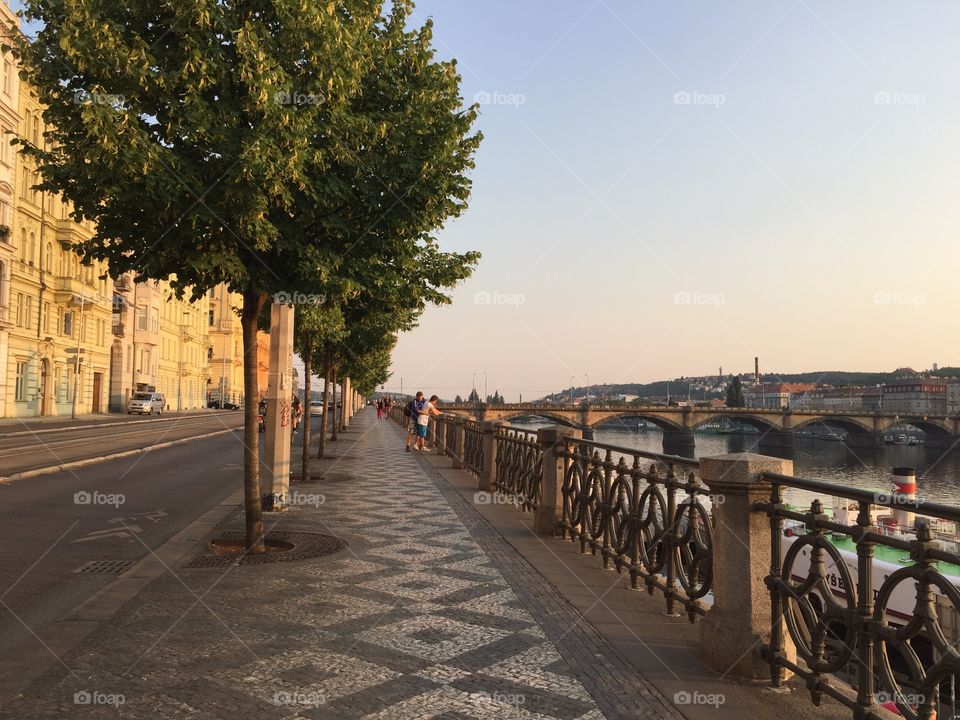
423, 422
411, 412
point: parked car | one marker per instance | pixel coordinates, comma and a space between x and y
146, 402
316, 407
215, 405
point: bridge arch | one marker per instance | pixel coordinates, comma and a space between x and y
755, 421
839, 422
661, 422
930, 426
557, 418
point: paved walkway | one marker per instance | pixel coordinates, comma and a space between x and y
429, 613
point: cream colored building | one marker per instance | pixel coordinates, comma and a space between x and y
59, 309
160, 344
9, 125
226, 339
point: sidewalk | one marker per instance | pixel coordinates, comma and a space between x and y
429, 613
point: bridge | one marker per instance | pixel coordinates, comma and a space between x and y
776, 426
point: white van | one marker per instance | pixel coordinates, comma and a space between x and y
146, 402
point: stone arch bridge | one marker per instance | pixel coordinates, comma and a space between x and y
776, 426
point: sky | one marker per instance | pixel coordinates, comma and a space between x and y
667, 188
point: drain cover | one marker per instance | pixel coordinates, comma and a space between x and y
105, 566
306, 545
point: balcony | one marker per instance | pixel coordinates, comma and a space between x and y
123, 284
118, 329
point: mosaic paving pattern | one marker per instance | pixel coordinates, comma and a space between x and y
415, 621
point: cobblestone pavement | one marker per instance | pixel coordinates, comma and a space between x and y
428, 614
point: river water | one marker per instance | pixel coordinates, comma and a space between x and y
938, 471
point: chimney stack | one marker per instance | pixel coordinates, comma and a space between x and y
756, 369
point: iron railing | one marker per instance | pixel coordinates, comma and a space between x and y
519, 467
648, 521
473, 458
841, 615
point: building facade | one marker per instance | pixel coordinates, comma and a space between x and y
58, 353
9, 126
226, 341
915, 396
775, 395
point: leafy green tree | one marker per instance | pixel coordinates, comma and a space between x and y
735, 396
251, 143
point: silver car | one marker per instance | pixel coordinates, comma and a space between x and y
146, 402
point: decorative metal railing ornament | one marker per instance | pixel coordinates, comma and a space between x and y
650, 522
842, 625
519, 467
473, 458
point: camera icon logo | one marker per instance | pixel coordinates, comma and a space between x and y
82, 498
82, 698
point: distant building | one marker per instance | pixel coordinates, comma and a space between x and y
775, 395
953, 398
915, 396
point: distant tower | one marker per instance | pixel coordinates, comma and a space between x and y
756, 370
720, 376
935, 367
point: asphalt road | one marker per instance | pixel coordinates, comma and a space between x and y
117, 510
22, 450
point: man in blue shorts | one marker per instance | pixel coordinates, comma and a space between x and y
423, 422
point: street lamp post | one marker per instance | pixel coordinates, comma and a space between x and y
183, 337
587, 376
571, 388
486, 393
79, 359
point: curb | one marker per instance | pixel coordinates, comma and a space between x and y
122, 423
106, 458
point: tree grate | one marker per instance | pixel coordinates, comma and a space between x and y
114, 567
306, 546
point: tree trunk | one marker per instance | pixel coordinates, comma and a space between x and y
333, 420
252, 306
307, 397
326, 405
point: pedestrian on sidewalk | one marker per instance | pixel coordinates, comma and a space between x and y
411, 412
423, 422
379, 409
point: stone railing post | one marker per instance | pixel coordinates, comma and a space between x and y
441, 444
456, 446
488, 477
547, 518
734, 629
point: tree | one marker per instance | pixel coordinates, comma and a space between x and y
248, 143
735, 394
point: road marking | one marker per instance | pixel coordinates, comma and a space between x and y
118, 422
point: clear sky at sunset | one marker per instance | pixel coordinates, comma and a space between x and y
670, 187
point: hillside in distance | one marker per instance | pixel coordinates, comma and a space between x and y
707, 387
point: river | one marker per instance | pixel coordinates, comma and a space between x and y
938, 471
